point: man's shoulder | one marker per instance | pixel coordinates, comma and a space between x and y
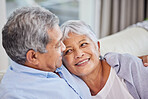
22, 85
125, 63
121, 59
36, 88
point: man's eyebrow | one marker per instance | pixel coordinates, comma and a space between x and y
59, 41
61, 38
68, 46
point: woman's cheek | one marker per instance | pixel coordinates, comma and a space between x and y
67, 60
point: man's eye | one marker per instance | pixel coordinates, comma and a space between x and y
83, 44
68, 51
59, 45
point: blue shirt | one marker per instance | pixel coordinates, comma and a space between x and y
21, 82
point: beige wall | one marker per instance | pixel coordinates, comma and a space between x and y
3, 56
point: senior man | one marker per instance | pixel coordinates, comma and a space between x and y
33, 41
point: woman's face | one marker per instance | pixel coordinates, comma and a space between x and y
81, 56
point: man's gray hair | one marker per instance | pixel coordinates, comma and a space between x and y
26, 29
78, 27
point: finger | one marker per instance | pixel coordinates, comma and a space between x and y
146, 64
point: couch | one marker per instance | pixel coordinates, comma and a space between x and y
133, 40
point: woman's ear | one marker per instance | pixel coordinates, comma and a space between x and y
99, 47
31, 57
98, 44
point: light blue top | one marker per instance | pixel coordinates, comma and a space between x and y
21, 82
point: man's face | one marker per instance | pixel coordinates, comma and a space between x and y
52, 60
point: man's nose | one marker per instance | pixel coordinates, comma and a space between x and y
62, 46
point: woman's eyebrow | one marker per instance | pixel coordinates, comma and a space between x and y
68, 46
82, 40
79, 42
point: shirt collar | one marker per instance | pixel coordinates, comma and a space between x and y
59, 69
24, 69
74, 82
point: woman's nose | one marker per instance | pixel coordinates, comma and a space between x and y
79, 53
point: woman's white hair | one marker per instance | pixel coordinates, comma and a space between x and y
78, 27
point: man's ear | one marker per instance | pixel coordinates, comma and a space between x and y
31, 57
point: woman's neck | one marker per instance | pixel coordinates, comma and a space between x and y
98, 78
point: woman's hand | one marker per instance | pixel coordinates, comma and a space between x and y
145, 60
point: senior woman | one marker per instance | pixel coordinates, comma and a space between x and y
116, 76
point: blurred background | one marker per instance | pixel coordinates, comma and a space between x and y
106, 17
64, 9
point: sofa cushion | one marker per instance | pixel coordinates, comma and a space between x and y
133, 40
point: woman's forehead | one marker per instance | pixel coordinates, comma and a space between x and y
73, 37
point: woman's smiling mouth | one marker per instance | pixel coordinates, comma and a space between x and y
83, 62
